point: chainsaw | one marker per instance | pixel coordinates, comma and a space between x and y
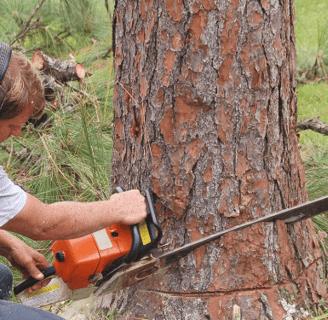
120, 256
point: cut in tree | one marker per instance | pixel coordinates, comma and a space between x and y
206, 115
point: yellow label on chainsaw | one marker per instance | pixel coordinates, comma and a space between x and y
145, 237
41, 291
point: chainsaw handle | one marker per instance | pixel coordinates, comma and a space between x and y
30, 282
138, 249
153, 216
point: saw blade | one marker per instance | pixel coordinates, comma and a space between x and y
289, 215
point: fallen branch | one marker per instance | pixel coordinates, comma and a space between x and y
23, 155
63, 71
305, 81
303, 78
314, 124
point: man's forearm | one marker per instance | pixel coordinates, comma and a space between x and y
67, 220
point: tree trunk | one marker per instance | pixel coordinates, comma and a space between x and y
205, 114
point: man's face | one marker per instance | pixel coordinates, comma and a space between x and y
12, 127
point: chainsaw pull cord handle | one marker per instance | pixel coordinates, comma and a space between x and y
30, 282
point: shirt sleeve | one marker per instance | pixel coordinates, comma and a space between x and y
12, 198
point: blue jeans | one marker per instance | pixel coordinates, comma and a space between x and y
16, 311
6, 282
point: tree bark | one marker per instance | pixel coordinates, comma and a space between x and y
206, 114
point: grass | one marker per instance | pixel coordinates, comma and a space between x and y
311, 30
312, 102
70, 159
312, 50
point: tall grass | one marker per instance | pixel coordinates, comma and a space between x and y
58, 26
69, 159
312, 60
311, 30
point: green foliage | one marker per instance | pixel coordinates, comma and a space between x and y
311, 30
68, 159
312, 50
312, 102
58, 26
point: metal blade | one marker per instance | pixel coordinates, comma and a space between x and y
290, 215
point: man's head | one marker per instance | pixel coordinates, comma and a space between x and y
21, 86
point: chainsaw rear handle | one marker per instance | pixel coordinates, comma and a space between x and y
30, 282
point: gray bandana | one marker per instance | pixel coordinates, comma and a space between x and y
5, 54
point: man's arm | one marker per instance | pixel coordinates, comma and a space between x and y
68, 220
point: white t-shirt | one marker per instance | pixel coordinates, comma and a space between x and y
12, 198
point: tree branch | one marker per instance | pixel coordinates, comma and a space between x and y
314, 124
27, 27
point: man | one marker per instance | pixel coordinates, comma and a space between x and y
22, 98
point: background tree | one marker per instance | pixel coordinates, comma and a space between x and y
205, 114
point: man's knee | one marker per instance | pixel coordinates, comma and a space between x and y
6, 282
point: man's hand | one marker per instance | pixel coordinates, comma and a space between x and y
129, 207
29, 262
25, 259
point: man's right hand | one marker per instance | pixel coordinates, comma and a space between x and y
129, 206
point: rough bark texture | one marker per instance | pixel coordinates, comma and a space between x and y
205, 114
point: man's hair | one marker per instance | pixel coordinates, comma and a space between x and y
23, 88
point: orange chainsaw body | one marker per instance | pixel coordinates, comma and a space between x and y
93, 259
77, 260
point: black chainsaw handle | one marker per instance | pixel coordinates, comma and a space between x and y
153, 215
30, 282
138, 249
